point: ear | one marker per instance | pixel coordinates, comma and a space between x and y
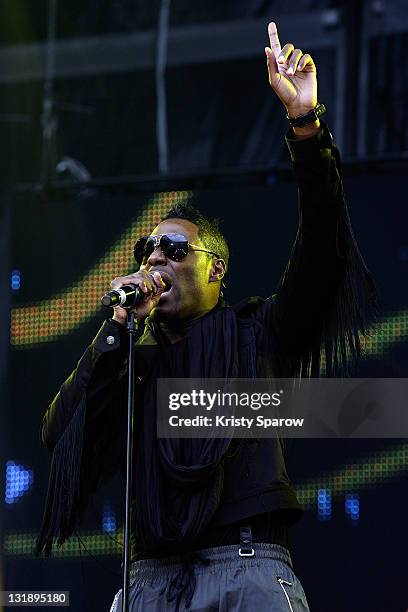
217, 271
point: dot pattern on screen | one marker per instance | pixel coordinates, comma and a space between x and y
386, 333
61, 314
370, 471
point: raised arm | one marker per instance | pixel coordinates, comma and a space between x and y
326, 294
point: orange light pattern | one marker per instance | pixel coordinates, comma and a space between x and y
59, 315
40, 322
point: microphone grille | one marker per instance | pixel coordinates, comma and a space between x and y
106, 300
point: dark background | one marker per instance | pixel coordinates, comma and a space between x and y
225, 145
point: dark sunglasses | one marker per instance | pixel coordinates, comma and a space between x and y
174, 246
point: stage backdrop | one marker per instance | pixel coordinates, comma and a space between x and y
66, 249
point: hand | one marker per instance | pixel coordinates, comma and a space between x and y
152, 286
292, 75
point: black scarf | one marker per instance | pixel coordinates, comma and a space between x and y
179, 481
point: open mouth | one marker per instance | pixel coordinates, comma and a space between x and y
166, 292
168, 281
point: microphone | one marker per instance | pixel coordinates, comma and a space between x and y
127, 296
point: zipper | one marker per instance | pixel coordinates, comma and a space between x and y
282, 582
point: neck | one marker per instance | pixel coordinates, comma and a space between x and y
176, 329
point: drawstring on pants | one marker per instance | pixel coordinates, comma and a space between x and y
185, 580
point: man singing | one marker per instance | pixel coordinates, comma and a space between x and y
210, 517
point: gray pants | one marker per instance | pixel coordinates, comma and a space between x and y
216, 579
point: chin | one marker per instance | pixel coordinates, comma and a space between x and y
164, 310
169, 304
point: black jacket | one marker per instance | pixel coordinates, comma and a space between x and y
321, 306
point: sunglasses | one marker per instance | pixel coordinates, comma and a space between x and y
174, 246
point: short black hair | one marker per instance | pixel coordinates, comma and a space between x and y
209, 230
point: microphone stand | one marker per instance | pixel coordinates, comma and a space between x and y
131, 328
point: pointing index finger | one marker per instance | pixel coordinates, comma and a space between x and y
274, 39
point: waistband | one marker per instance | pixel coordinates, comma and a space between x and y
199, 560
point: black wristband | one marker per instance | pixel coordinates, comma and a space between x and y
310, 117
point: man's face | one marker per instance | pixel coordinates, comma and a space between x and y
191, 291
